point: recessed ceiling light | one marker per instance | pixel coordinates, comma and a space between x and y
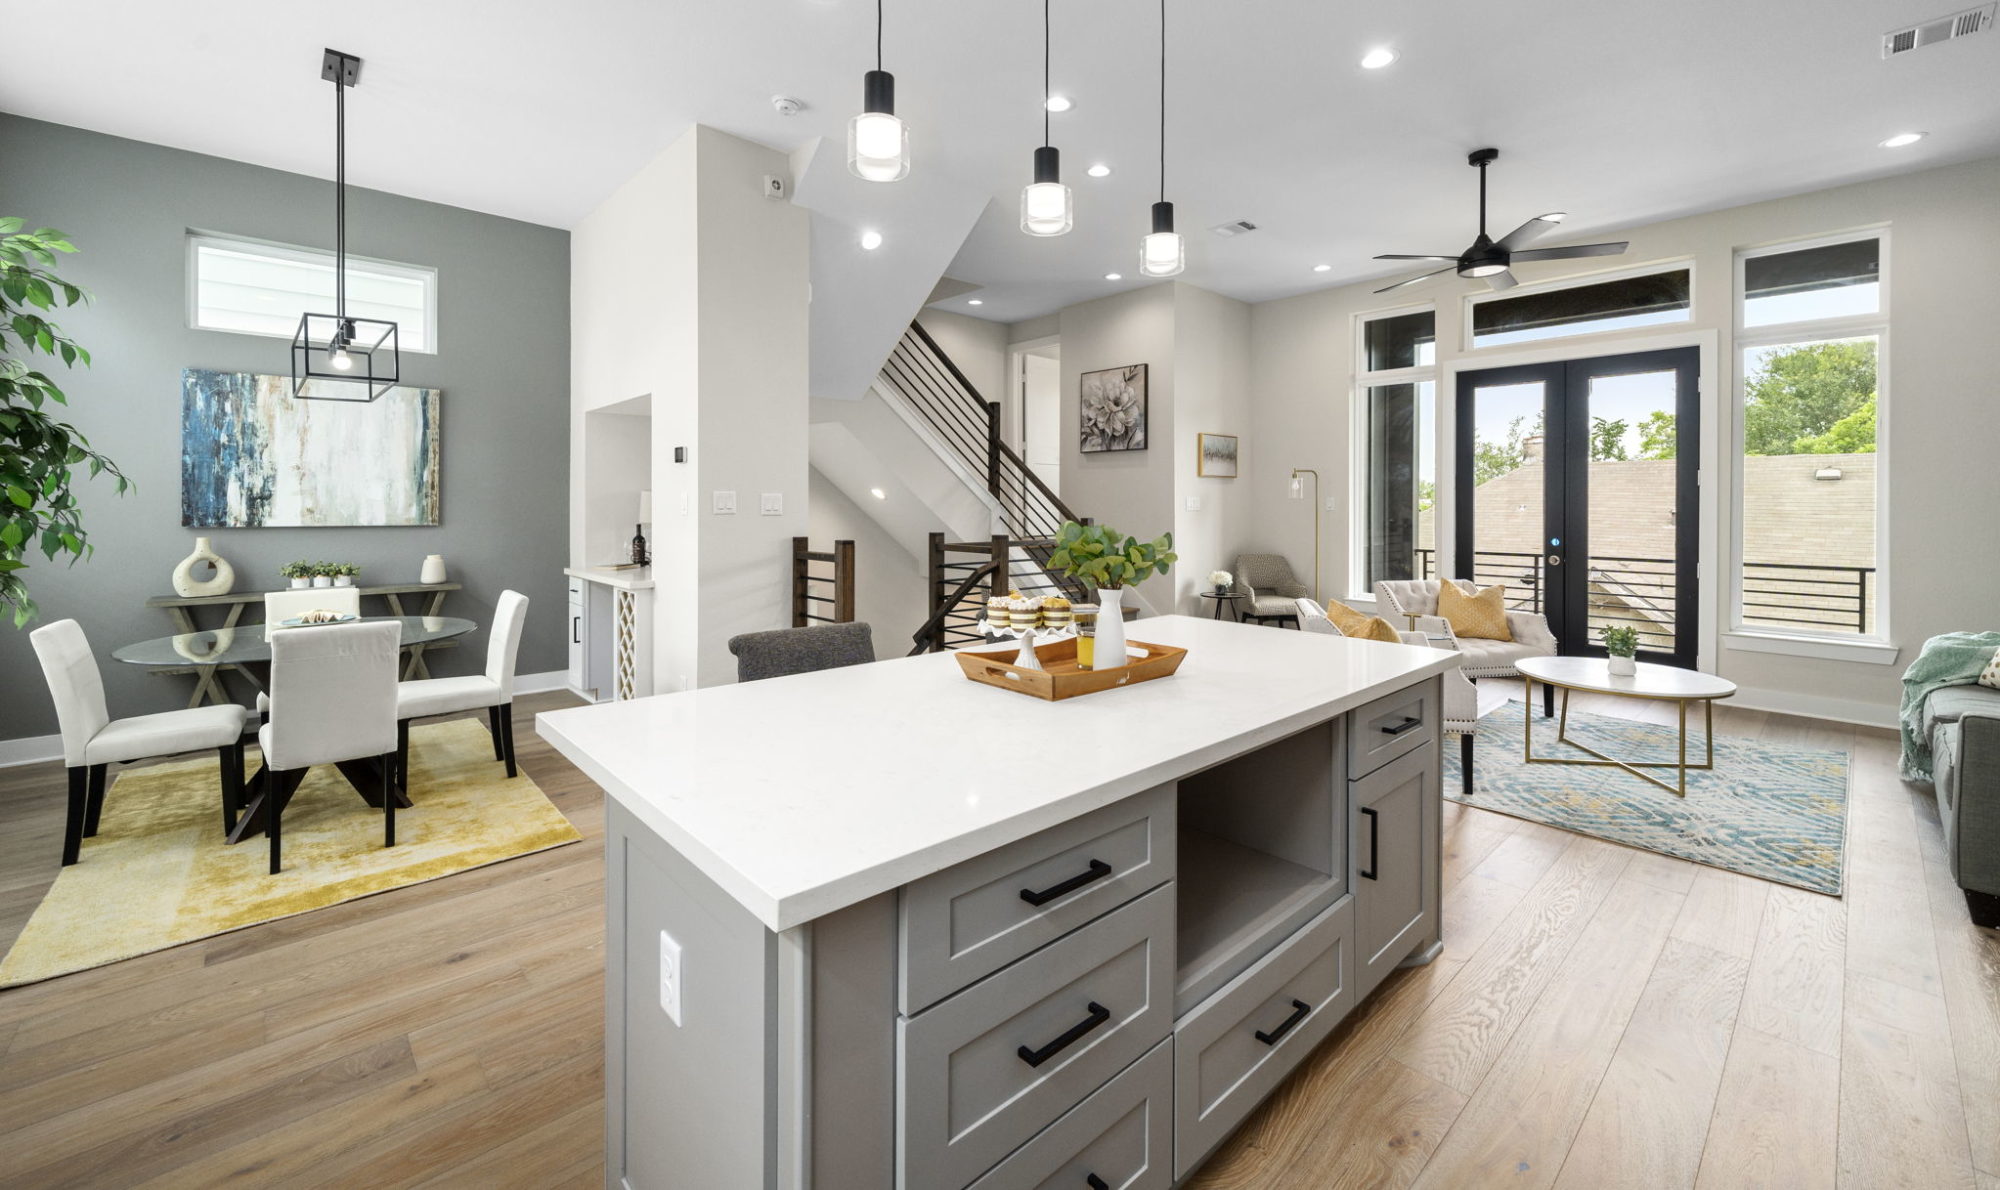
1114, 276
1322, 268
871, 239
1904, 138
878, 493
976, 302
1057, 103
1377, 58
1099, 171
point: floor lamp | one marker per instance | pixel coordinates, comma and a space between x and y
1299, 493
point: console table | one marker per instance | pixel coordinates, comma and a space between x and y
181, 609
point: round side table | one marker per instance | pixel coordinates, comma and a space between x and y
1223, 599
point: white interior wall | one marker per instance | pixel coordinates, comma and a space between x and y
888, 581
1211, 395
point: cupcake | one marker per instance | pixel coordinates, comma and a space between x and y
996, 613
1056, 612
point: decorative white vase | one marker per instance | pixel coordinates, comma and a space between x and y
433, 571
301, 581
343, 580
322, 580
1623, 667
1109, 652
187, 586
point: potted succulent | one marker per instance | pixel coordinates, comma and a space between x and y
1622, 643
322, 574
299, 572
1109, 560
343, 573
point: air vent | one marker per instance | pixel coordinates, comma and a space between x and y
1234, 229
1958, 24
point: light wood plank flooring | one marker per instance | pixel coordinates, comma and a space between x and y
1601, 1017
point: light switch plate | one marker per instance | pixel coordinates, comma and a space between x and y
672, 975
1330, 507
1194, 503
772, 504
725, 503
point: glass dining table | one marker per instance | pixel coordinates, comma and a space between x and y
246, 648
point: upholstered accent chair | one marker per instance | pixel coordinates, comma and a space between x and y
1271, 588
1461, 700
784, 651
1418, 599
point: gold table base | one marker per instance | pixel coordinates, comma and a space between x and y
1634, 767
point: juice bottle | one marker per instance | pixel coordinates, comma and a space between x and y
1085, 616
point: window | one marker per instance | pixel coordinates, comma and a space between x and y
1648, 299
255, 288
1809, 395
1396, 397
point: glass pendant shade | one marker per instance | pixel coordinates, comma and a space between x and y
1298, 488
1046, 207
878, 144
1163, 253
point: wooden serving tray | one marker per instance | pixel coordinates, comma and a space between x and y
1060, 677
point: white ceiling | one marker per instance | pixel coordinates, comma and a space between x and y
1622, 112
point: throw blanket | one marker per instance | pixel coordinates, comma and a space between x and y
1954, 659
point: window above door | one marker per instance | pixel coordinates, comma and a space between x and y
1654, 296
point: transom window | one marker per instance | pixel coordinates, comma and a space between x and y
254, 288
1647, 299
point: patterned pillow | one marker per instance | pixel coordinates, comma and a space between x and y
1991, 675
1479, 616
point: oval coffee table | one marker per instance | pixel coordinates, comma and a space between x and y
1661, 683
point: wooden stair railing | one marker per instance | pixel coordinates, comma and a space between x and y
824, 596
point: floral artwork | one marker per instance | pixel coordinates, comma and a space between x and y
1112, 409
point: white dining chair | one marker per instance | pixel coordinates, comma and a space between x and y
92, 740
492, 691
280, 606
333, 698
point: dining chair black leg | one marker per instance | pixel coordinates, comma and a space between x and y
96, 800
493, 725
402, 756
230, 760
507, 734
79, 800
274, 816
1465, 762
1548, 701
389, 800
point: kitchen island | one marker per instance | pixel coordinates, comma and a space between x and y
883, 926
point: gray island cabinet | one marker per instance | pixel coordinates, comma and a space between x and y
884, 927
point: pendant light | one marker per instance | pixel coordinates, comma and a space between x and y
1046, 209
338, 346
878, 144
1163, 253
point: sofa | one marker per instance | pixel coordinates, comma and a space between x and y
1417, 599
1962, 726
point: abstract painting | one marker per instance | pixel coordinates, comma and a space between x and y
254, 457
1112, 409
1215, 456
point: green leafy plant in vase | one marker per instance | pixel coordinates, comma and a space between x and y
1622, 643
1102, 557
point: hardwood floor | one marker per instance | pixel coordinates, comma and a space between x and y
1601, 1017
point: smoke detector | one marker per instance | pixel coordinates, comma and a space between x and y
1237, 228
1959, 24
785, 105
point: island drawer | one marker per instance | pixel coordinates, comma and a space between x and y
1234, 1049
1122, 1136
1391, 726
970, 920
992, 1066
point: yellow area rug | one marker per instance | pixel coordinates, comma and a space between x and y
159, 874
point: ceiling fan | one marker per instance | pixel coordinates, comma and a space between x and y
1490, 258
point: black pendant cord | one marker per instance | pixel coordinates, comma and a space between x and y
1045, 74
340, 201
1163, 100
878, 34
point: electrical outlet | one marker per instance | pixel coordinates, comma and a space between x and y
725, 504
1330, 507
673, 974
772, 504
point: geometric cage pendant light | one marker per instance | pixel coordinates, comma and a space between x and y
361, 352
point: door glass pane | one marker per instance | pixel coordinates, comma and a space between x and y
1808, 505
1400, 537
1631, 582
1508, 475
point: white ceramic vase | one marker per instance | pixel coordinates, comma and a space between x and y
187, 586
1109, 652
322, 580
343, 580
1623, 667
301, 581
433, 571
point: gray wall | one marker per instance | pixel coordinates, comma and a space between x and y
503, 364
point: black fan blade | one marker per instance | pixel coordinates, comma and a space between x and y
1501, 280
1417, 278
1573, 251
1533, 229
1401, 257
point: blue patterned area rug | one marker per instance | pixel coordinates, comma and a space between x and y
1775, 813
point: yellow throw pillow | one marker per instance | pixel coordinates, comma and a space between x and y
1482, 616
1360, 625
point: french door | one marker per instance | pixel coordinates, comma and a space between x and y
1577, 489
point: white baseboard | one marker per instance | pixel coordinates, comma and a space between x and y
36, 749
1815, 706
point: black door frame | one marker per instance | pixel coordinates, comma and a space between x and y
1565, 446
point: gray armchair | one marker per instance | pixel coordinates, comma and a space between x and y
1270, 587
1483, 658
1962, 726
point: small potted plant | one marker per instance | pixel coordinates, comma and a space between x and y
1109, 560
322, 574
299, 572
1222, 580
1622, 643
343, 574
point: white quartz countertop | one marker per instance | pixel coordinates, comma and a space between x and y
640, 579
800, 796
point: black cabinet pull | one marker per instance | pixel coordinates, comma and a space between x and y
1402, 727
574, 637
1095, 1183
1374, 834
1098, 870
1098, 1015
1299, 1010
